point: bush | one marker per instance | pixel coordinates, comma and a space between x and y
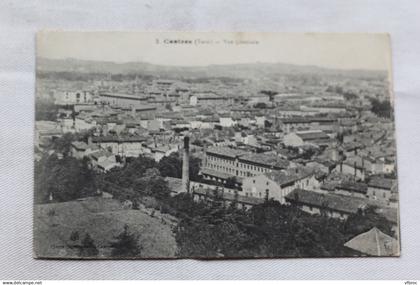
74, 236
126, 244
51, 212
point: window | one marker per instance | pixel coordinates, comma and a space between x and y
253, 181
384, 195
268, 183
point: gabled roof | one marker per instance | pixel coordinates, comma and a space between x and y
384, 183
340, 203
375, 243
229, 196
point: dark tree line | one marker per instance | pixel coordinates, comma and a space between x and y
205, 229
266, 230
69, 178
139, 178
172, 166
65, 179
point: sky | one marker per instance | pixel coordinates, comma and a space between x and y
342, 51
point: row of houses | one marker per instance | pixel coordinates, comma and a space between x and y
106, 149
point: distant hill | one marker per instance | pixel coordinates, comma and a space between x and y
246, 70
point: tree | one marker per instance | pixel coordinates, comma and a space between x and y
74, 236
381, 108
88, 248
172, 166
136, 205
365, 220
159, 188
45, 110
308, 153
127, 177
260, 105
213, 231
126, 244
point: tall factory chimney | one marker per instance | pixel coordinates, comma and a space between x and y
186, 166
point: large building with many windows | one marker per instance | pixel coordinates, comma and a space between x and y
221, 163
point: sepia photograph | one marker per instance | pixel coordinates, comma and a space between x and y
205, 145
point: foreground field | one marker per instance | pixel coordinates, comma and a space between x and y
103, 220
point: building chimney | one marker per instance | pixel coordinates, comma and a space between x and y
186, 166
334, 154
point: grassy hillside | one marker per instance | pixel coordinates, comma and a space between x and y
103, 220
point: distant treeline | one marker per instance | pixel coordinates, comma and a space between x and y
83, 76
223, 79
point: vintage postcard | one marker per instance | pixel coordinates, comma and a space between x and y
214, 145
